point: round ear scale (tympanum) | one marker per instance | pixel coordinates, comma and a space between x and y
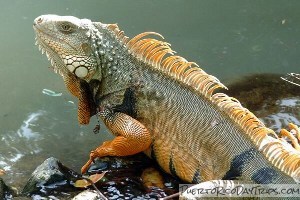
81, 71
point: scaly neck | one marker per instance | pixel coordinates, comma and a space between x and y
113, 60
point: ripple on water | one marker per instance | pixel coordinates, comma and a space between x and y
18, 143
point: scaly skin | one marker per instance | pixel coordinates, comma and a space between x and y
162, 105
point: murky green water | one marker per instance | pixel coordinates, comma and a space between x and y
227, 38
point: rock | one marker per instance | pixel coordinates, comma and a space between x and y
128, 163
45, 174
151, 177
6, 192
86, 195
124, 179
50, 176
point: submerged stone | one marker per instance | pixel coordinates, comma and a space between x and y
87, 195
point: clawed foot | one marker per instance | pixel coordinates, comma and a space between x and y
103, 150
87, 165
293, 135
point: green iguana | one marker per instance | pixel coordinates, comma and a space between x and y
161, 104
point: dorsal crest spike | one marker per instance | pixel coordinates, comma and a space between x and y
118, 33
112, 27
139, 36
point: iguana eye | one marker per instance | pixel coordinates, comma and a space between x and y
66, 28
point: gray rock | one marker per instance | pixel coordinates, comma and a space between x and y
87, 195
2, 189
47, 173
6, 192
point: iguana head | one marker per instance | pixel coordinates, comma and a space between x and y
66, 40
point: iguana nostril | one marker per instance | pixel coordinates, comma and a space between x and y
39, 20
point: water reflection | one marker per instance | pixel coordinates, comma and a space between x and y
25, 130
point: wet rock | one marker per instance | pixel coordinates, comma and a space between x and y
123, 179
87, 195
45, 174
151, 177
6, 192
128, 163
50, 178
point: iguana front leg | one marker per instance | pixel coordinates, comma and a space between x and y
132, 137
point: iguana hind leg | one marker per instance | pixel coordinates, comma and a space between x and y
132, 137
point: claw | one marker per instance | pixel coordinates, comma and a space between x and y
87, 165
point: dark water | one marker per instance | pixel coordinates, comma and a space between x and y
228, 38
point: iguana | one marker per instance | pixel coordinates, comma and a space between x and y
161, 104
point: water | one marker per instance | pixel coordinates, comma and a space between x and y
227, 38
